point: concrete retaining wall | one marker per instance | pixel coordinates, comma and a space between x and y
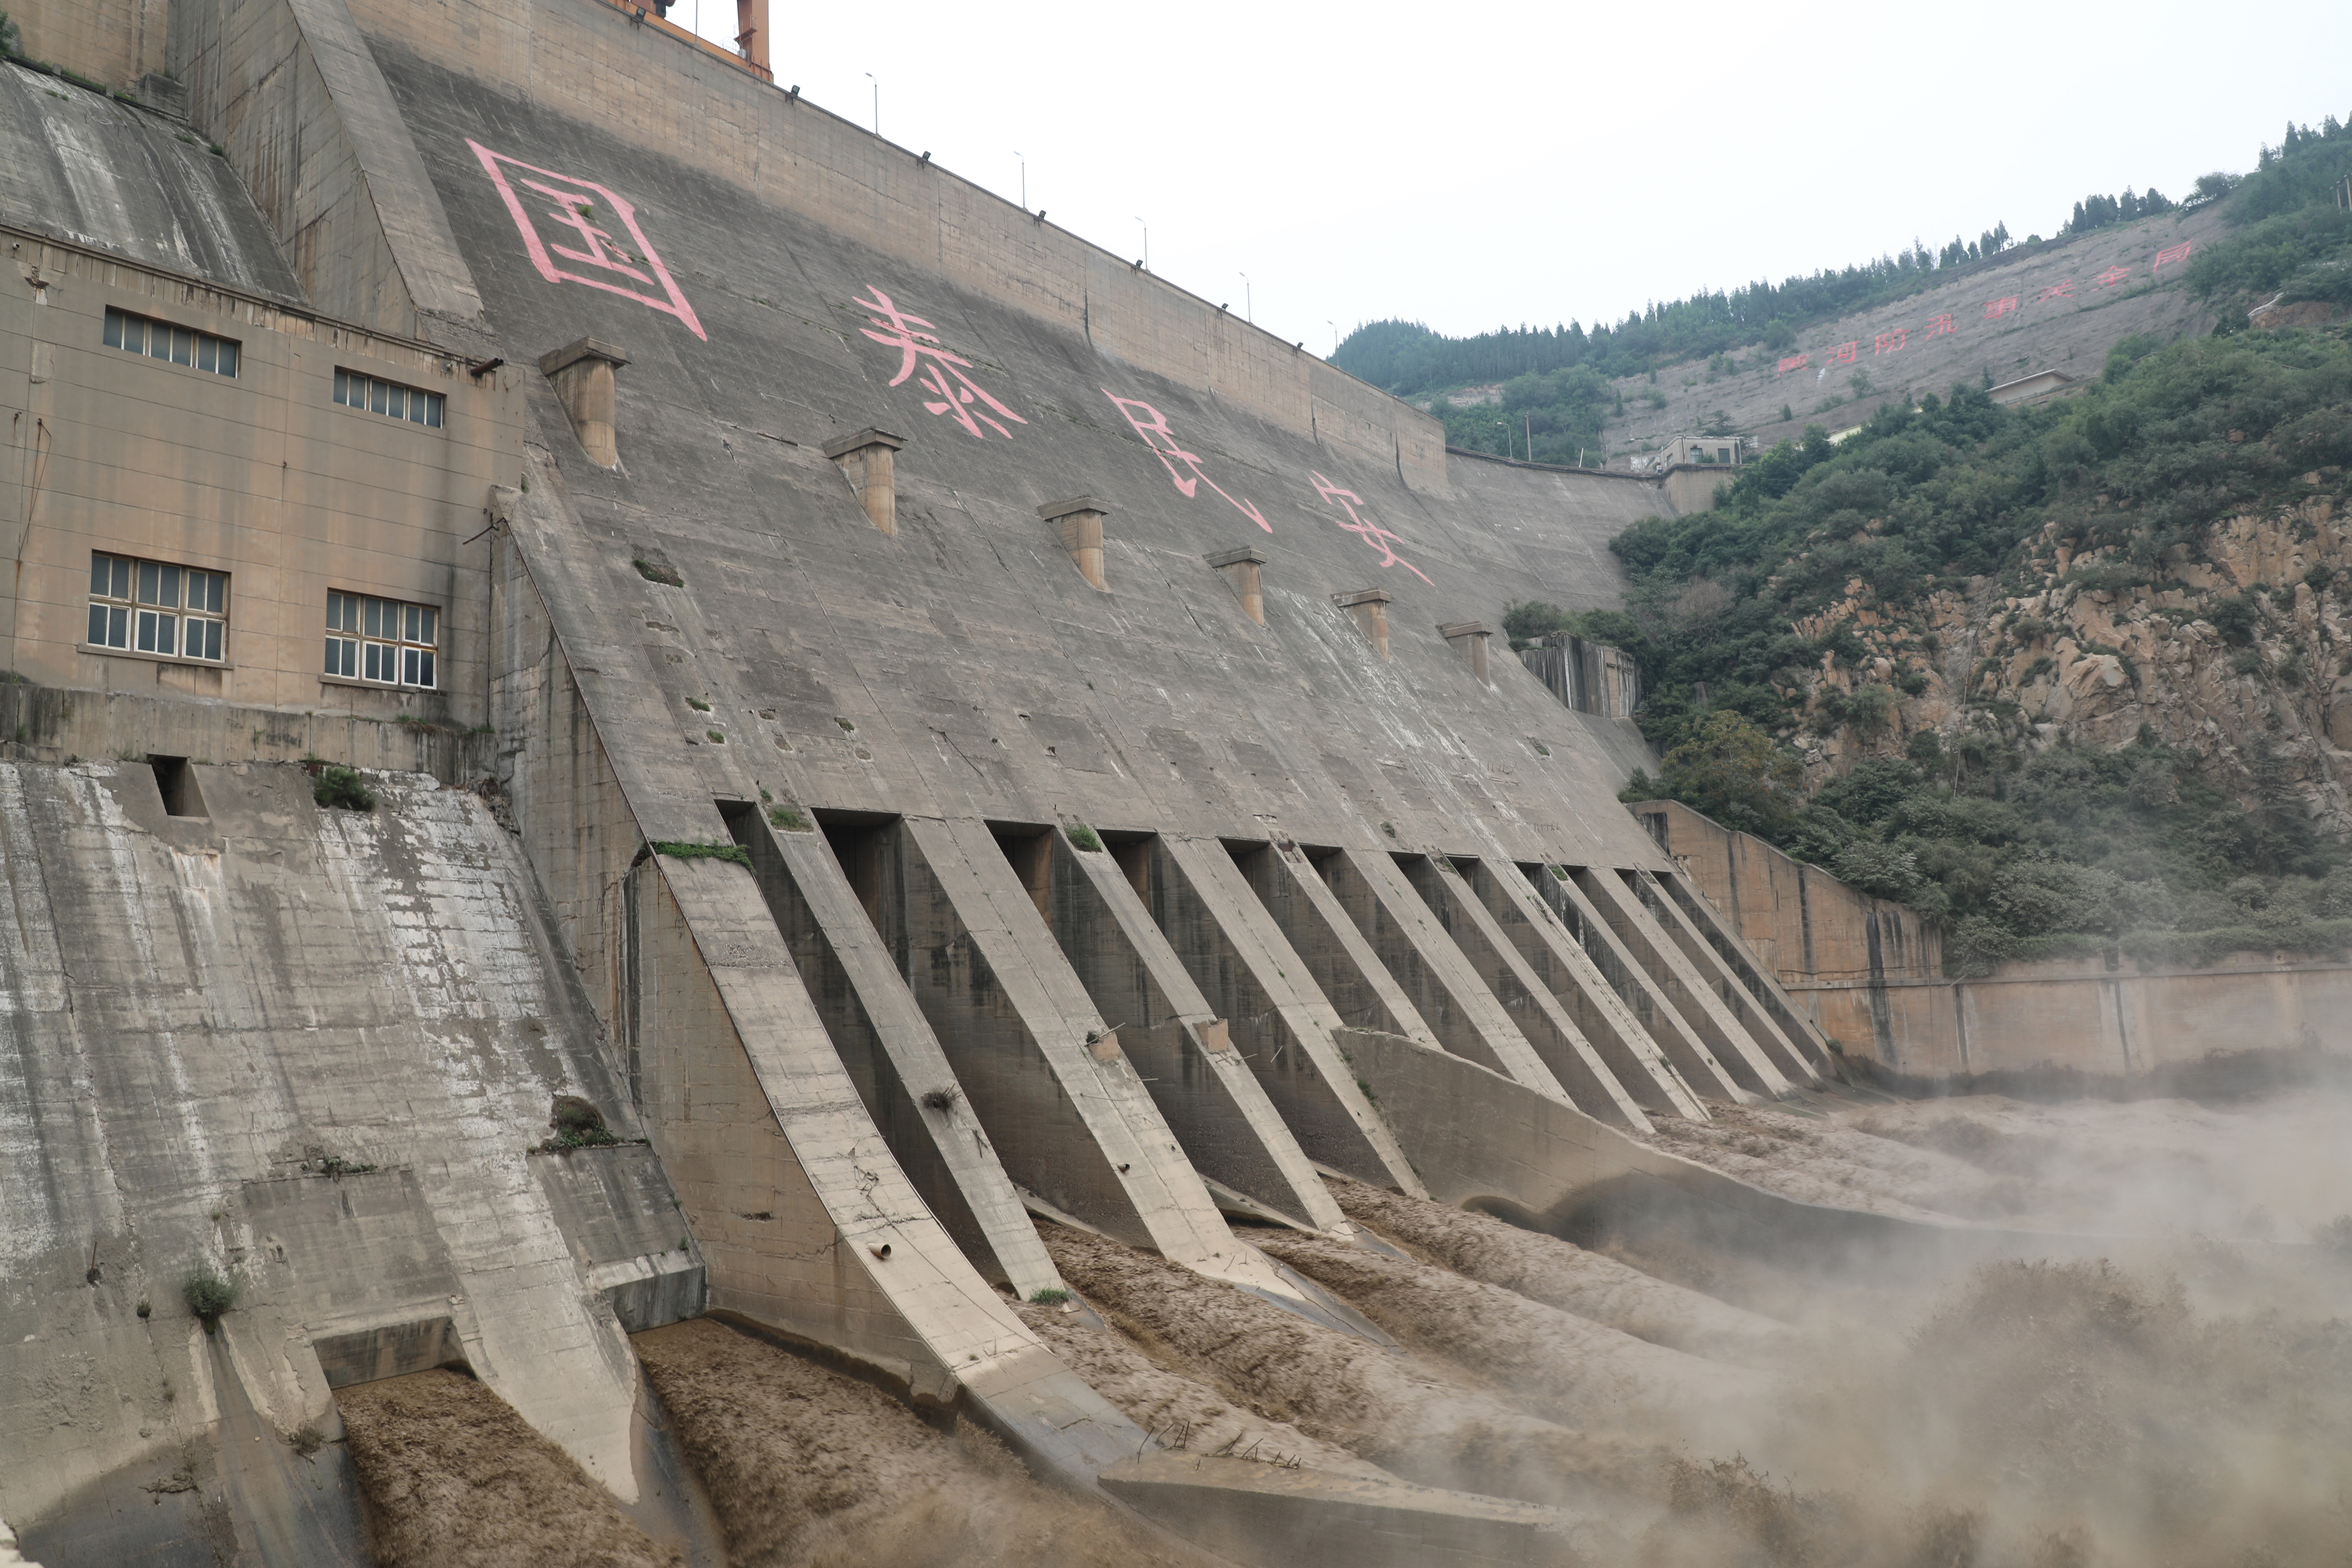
1867, 975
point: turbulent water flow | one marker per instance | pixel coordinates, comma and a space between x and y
808, 1469
2172, 1386
451, 1474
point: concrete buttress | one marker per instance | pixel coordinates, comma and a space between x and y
1697, 1000
1467, 1018
1282, 1024
1569, 971
1687, 1049
1220, 1113
1595, 1089
887, 1043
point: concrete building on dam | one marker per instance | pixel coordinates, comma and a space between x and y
917, 723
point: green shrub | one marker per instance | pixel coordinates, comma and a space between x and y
682, 849
209, 1293
1050, 1295
655, 571
1081, 836
340, 787
789, 818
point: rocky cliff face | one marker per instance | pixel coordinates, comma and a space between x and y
2237, 652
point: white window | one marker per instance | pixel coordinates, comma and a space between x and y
161, 340
145, 606
389, 398
383, 640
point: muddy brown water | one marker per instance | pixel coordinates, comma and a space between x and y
2179, 1393
809, 1468
450, 1474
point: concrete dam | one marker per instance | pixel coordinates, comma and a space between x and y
721, 853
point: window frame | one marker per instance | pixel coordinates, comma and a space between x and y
201, 346
369, 393
160, 610
367, 633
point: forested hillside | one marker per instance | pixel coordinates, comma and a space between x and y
1715, 362
2076, 676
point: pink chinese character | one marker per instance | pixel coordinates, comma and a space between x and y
1152, 426
957, 395
1997, 308
2056, 291
2178, 253
1371, 533
2112, 275
1941, 325
630, 269
1794, 362
1893, 343
1845, 353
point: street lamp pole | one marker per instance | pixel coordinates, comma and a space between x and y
1024, 178
1147, 244
878, 101
1248, 308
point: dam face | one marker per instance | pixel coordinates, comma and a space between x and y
884, 722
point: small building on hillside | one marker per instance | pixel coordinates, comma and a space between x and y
2033, 388
1710, 450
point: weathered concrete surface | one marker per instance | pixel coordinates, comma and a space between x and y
1687, 1050
1220, 1113
1276, 1516
984, 676
1281, 1023
195, 1011
1595, 1089
289, 89
88, 169
113, 41
1679, 979
1445, 988
892, 1055
1562, 964
1713, 970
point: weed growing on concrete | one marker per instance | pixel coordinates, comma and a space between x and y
1051, 1296
209, 1293
577, 1124
765, 797
335, 1165
651, 571
788, 818
1081, 836
1389, 828
306, 1439
679, 850
697, 704
716, 738
146, 1309
340, 787
941, 1098
1541, 750
847, 727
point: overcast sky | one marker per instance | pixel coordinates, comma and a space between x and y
1472, 166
